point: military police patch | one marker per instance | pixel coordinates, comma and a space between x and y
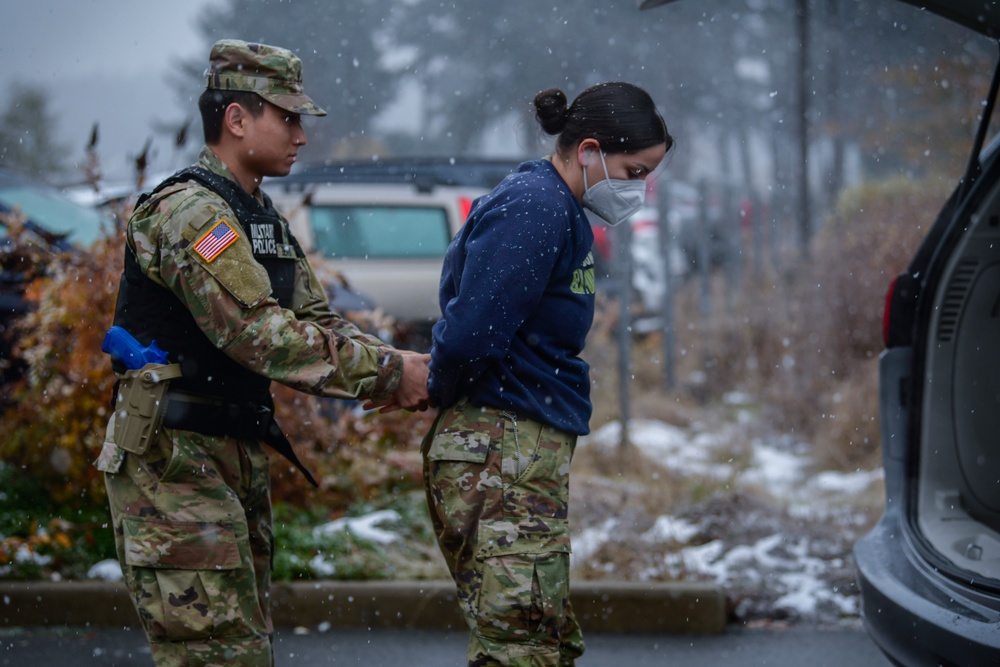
215, 240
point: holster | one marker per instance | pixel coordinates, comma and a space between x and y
139, 405
144, 405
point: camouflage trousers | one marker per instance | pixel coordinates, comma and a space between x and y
192, 522
498, 492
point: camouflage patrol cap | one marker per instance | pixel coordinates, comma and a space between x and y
272, 72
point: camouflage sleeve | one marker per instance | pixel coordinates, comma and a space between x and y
310, 303
229, 294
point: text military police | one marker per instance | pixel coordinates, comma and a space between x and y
213, 274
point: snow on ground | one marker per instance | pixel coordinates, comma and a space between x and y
363, 527
777, 534
105, 570
778, 538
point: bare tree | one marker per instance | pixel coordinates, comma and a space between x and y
342, 47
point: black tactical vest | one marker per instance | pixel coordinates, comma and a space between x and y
151, 312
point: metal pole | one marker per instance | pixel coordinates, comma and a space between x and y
667, 303
704, 255
755, 222
623, 262
802, 20
733, 229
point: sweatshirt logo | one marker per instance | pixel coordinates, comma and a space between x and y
583, 278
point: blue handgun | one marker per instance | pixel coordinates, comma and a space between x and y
123, 347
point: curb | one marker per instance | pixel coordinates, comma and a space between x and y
615, 607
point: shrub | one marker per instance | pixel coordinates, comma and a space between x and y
40, 538
57, 412
807, 340
306, 551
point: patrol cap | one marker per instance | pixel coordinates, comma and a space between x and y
272, 72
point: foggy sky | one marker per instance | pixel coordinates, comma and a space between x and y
104, 61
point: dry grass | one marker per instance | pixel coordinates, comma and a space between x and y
623, 485
802, 345
804, 341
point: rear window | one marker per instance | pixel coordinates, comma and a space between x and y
377, 232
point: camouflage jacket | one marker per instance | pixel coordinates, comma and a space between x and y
307, 347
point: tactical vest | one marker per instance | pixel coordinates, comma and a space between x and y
151, 312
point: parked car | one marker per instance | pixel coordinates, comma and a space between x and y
697, 232
385, 224
48, 212
646, 258
929, 571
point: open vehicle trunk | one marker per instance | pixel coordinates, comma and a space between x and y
957, 370
929, 571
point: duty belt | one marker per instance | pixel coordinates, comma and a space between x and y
220, 418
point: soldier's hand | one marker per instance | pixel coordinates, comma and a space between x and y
411, 394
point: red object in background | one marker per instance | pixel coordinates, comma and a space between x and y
464, 207
602, 244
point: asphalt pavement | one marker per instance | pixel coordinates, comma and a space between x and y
688, 608
93, 624
736, 646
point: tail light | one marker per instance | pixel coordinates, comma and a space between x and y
464, 207
601, 241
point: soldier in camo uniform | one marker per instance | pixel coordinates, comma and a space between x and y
213, 274
517, 297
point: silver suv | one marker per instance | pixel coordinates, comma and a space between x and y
385, 225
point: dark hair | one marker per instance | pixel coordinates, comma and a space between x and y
213, 104
621, 116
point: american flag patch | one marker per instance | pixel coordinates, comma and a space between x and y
216, 240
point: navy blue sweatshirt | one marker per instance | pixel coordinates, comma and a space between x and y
517, 301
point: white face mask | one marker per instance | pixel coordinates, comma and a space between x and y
614, 199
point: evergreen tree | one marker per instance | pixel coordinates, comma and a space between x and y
28, 141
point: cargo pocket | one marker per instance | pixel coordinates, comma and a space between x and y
525, 582
519, 451
463, 433
188, 580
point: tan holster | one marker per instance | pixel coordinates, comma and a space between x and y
139, 408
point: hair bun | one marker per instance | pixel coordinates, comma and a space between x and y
551, 110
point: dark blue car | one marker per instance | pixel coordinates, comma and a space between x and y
929, 571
